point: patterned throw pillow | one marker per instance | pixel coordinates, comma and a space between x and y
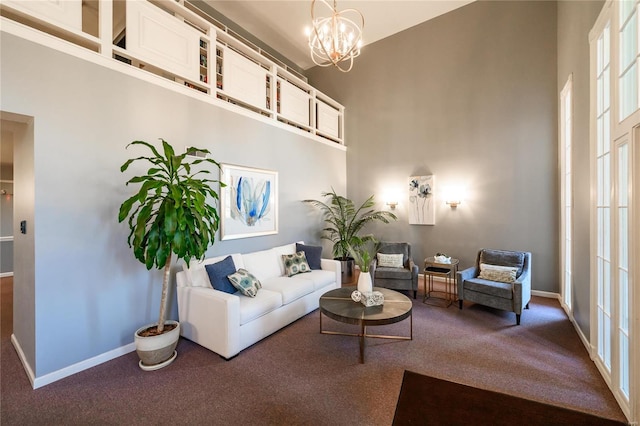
295, 263
244, 281
390, 260
503, 274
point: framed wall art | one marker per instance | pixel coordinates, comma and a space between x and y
422, 208
249, 202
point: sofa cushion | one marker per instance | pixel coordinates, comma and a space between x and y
390, 260
505, 274
319, 278
197, 274
280, 250
295, 264
218, 275
313, 254
503, 258
263, 264
394, 273
291, 288
492, 288
245, 282
254, 307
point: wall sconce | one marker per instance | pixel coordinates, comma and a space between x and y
392, 204
454, 196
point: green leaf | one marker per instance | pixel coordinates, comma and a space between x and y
173, 210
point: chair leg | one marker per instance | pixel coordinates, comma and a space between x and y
459, 303
527, 307
517, 319
415, 294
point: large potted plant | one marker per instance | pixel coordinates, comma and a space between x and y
344, 222
173, 212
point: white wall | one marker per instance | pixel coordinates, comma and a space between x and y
90, 292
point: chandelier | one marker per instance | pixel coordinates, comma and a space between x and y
336, 39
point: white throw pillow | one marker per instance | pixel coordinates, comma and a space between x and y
390, 260
504, 274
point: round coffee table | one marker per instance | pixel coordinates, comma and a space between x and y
338, 305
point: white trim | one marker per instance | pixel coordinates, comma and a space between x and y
566, 197
6, 239
23, 359
38, 382
6, 274
547, 294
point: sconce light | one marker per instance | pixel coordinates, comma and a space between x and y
392, 204
454, 196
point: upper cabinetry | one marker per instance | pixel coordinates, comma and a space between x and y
178, 41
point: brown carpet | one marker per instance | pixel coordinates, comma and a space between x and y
298, 376
426, 400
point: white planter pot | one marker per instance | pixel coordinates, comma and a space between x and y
157, 351
365, 284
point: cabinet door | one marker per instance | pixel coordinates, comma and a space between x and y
328, 120
162, 40
244, 80
62, 12
294, 103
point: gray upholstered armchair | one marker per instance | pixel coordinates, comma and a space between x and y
403, 276
499, 279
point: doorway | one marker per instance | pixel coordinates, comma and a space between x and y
6, 228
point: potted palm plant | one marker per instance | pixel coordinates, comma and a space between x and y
344, 222
173, 212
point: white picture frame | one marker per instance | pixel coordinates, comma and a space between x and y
422, 205
249, 202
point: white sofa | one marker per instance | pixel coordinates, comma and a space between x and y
228, 323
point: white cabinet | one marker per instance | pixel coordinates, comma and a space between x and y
327, 120
294, 103
244, 80
160, 39
67, 13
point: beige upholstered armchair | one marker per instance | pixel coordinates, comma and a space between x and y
499, 279
397, 271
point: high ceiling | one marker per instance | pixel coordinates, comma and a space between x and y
281, 24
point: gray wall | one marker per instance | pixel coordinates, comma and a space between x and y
470, 97
90, 292
575, 20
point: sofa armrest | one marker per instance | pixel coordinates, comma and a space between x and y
210, 318
465, 274
332, 265
522, 291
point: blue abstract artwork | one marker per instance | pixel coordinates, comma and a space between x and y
249, 202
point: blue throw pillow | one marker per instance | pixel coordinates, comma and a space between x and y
312, 253
218, 274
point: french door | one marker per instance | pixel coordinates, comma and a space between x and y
615, 249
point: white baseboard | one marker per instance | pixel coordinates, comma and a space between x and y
38, 382
23, 359
6, 274
546, 294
